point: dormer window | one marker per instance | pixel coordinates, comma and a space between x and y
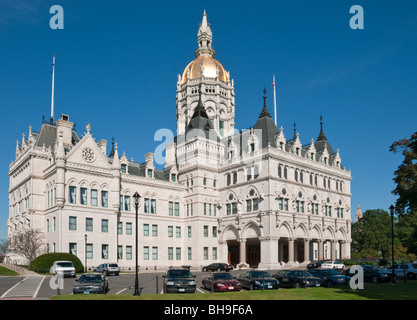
123, 168
252, 147
150, 173
173, 177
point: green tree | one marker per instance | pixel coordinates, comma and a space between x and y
405, 177
372, 234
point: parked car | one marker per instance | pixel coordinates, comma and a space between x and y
108, 268
372, 274
91, 283
297, 279
409, 269
332, 264
221, 281
257, 280
315, 264
179, 280
64, 268
330, 277
218, 267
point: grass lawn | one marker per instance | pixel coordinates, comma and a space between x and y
371, 291
4, 272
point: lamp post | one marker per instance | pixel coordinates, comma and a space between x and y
391, 210
136, 196
85, 265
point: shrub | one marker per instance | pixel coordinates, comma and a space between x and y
44, 262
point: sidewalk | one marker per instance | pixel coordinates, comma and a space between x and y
21, 270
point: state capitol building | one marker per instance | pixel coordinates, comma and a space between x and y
252, 198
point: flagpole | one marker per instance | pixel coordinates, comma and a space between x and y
52, 97
275, 100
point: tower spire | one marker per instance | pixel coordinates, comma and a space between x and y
204, 38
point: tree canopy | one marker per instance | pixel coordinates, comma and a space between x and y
405, 177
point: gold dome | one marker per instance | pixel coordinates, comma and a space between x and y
205, 66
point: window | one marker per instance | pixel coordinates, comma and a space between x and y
104, 199
189, 231
252, 147
205, 231
154, 230
170, 253
170, 231
150, 173
73, 248
89, 249
123, 168
153, 206
205, 181
170, 208
154, 253
173, 177
73, 223
214, 234
178, 253
214, 253
119, 227
88, 224
299, 206
104, 251
83, 197
145, 253
127, 203
129, 252
189, 253
205, 253
178, 232
146, 206
221, 127
146, 230
128, 228
94, 197
120, 252
104, 225
315, 208
72, 194
177, 209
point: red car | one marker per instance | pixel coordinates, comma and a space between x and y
221, 282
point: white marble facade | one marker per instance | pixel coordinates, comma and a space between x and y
250, 198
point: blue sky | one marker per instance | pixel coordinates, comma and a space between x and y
117, 64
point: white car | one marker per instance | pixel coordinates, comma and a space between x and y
64, 268
332, 264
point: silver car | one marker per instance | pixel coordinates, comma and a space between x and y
108, 268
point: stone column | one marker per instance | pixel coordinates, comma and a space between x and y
242, 251
290, 250
306, 251
320, 245
333, 249
269, 253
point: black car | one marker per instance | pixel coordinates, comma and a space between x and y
372, 274
315, 264
297, 279
217, 267
253, 280
330, 277
91, 283
179, 280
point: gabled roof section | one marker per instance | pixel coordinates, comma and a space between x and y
267, 125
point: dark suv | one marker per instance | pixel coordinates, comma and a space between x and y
218, 267
179, 280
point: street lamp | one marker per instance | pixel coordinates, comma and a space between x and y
391, 210
85, 265
136, 196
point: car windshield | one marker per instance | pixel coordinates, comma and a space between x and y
113, 265
90, 278
65, 264
222, 276
260, 274
301, 274
179, 274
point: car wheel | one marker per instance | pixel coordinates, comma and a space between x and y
204, 270
374, 279
251, 287
329, 283
219, 269
297, 284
